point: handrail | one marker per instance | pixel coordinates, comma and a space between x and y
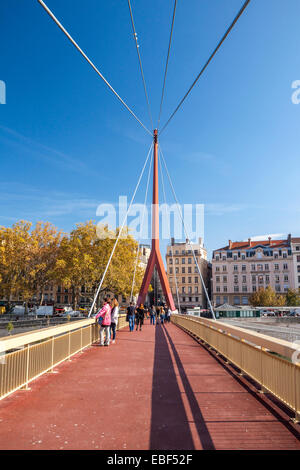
280, 346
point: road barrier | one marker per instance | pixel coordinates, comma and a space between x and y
26, 356
265, 359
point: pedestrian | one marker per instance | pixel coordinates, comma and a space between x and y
152, 315
139, 317
156, 315
130, 316
114, 318
162, 315
169, 315
105, 314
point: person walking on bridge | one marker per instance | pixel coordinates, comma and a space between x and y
105, 314
152, 316
130, 316
139, 317
114, 318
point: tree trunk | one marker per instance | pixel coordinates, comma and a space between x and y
42, 298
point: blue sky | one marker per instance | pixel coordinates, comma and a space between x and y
67, 145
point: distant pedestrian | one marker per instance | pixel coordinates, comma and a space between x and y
105, 314
162, 315
114, 318
169, 315
139, 317
130, 317
152, 315
157, 311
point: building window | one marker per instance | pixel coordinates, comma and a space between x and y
183, 270
190, 290
196, 280
244, 288
244, 279
245, 300
217, 278
189, 270
286, 278
189, 260
225, 299
236, 288
218, 289
277, 288
58, 299
183, 280
252, 267
236, 300
170, 261
171, 271
276, 267
218, 300
225, 289
176, 261
253, 279
235, 267
217, 269
253, 288
183, 290
224, 268
266, 267
243, 267
285, 267
224, 278
183, 261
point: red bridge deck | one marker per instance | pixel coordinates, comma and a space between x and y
155, 389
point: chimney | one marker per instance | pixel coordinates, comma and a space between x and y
186, 240
289, 238
230, 244
172, 241
249, 241
269, 238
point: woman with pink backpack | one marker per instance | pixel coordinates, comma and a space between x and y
104, 319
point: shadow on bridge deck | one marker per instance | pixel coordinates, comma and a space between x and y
154, 389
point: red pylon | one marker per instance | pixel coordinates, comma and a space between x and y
155, 258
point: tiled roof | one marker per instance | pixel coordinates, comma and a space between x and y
266, 243
296, 240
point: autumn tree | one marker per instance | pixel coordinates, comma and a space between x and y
293, 297
267, 298
83, 257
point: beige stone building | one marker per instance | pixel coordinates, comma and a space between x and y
241, 268
182, 270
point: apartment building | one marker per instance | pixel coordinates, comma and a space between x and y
241, 268
295, 245
183, 274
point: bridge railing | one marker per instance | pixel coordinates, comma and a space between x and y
271, 362
24, 357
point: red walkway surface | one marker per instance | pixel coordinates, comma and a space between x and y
154, 389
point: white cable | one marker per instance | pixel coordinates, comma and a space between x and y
89, 61
187, 236
142, 224
165, 199
120, 232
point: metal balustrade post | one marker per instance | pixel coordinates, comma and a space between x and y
69, 358
27, 368
262, 388
296, 419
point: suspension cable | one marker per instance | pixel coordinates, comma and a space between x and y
142, 224
120, 232
90, 62
187, 236
167, 63
246, 3
165, 199
140, 62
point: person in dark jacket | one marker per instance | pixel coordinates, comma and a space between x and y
139, 316
130, 316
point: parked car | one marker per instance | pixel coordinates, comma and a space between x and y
72, 313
